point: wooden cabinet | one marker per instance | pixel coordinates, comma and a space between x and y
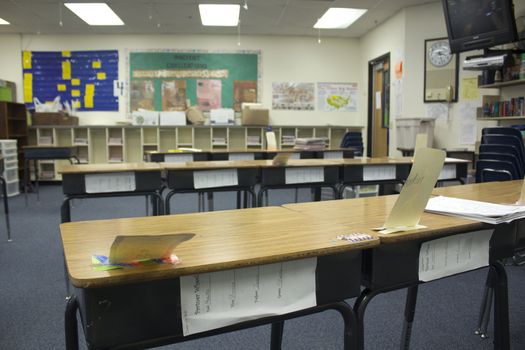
13, 125
109, 144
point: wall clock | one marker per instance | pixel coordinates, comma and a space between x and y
441, 72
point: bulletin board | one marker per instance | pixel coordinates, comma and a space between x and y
170, 80
83, 78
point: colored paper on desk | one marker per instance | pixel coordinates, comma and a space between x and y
281, 159
127, 249
414, 195
101, 262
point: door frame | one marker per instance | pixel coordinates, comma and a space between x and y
370, 119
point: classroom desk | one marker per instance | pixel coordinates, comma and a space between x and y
391, 170
239, 176
223, 240
452, 153
243, 154
36, 153
394, 264
111, 180
300, 173
4, 194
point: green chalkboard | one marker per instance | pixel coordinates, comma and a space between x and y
167, 80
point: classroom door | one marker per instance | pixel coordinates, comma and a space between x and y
378, 106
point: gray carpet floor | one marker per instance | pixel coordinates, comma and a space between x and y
32, 290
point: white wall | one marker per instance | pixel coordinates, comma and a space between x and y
294, 59
389, 37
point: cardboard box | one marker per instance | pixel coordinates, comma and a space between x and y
53, 119
255, 117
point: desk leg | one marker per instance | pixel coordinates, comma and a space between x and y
37, 189
359, 309
501, 308
6, 209
486, 305
210, 201
26, 178
65, 211
410, 309
277, 335
260, 196
71, 323
156, 203
238, 199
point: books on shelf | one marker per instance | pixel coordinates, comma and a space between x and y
475, 210
511, 108
288, 140
254, 140
81, 141
310, 144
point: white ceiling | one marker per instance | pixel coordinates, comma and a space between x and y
263, 17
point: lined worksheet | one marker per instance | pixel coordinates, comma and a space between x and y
304, 175
215, 178
379, 172
111, 182
218, 299
454, 254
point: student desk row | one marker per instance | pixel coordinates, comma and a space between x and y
132, 179
113, 316
244, 154
4, 195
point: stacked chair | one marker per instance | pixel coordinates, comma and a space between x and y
501, 157
353, 139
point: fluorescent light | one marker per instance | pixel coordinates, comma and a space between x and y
219, 15
338, 18
95, 14
3, 22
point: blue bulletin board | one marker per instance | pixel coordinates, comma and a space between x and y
84, 78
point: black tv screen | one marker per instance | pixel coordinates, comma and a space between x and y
479, 24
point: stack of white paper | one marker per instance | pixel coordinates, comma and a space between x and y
480, 211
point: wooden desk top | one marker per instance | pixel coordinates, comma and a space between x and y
364, 214
255, 150
107, 168
224, 240
238, 164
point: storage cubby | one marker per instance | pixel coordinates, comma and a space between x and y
219, 137
237, 138
185, 136
202, 138
133, 148
112, 144
254, 137
167, 139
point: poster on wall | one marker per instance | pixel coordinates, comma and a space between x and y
173, 95
293, 96
209, 80
337, 97
244, 91
83, 79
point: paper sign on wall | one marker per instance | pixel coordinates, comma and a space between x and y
218, 299
414, 195
112, 182
454, 254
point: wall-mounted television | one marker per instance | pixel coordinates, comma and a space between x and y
479, 24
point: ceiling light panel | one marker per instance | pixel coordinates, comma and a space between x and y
3, 22
219, 15
95, 14
339, 18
